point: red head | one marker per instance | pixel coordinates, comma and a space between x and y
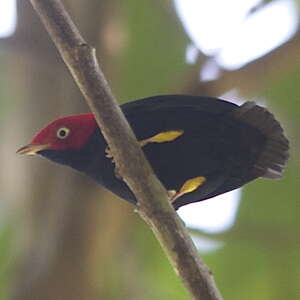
68, 133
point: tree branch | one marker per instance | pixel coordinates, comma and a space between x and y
254, 76
153, 204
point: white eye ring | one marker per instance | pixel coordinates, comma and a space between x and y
62, 133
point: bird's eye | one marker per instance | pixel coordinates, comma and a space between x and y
62, 132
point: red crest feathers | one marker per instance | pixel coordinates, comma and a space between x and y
67, 133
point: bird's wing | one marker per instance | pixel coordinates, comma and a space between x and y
165, 102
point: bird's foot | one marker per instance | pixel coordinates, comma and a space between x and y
171, 194
108, 154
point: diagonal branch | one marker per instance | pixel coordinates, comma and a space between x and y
153, 205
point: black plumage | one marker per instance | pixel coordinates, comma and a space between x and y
227, 144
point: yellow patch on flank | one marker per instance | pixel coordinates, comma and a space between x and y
189, 186
162, 137
192, 184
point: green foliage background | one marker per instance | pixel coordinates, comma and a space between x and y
260, 259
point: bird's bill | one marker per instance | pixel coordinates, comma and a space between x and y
32, 149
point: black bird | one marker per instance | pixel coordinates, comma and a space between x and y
199, 147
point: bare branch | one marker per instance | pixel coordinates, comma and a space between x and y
252, 77
153, 205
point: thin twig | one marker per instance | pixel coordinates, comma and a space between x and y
153, 205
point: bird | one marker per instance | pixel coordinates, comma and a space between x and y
198, 147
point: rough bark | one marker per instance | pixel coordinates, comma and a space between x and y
132, 166
64, 230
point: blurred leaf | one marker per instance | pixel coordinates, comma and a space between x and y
155, 52
161, 281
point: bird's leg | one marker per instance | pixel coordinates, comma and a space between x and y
189, 186
162, 137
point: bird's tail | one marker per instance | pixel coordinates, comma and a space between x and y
272, 160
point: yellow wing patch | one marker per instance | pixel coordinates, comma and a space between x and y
162, 137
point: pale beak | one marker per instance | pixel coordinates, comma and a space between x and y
32, 149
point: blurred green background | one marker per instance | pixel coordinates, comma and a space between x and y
62, 237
